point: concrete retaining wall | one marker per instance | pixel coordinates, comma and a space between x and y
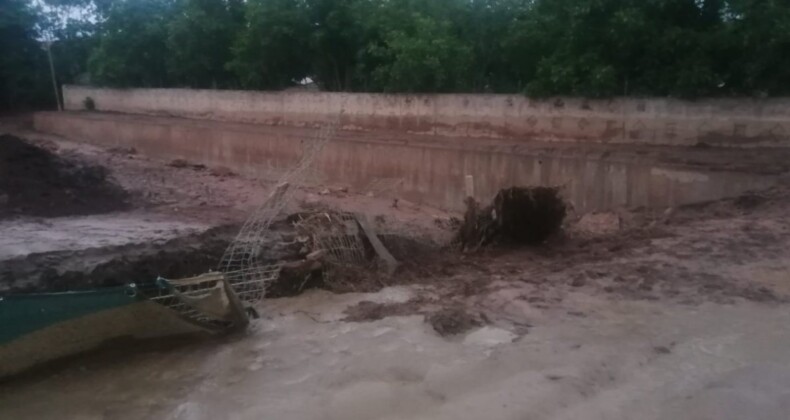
421, 169
737, 123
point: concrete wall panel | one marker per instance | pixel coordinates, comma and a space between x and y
408, 167
736, 123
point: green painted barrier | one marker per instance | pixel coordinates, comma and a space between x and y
23, 314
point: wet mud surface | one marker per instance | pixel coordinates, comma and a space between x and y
601, 320
61, 271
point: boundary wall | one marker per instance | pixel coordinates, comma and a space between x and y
711, 122
417, 168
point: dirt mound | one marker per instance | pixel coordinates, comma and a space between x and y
452, 321
36, 182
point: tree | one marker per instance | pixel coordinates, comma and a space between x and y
486, 26
336, 38
422, 58
273, 50
199, 42
615, 47
71, 25
758, 63
415, 46
684, 48
23, 81
132, 50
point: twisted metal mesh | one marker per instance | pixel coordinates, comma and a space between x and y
337, 234
167, 298
241, 263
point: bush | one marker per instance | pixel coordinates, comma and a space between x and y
89, 104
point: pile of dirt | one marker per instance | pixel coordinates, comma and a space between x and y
36, 182
518, 215
452, 321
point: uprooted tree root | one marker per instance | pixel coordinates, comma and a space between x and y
518, 215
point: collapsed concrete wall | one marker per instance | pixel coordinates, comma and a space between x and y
422, 169
738, 123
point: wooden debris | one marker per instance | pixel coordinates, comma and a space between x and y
381, 251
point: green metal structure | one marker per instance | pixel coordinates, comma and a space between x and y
23, 314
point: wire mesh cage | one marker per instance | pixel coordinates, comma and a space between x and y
337, 234
166, 297
243, 263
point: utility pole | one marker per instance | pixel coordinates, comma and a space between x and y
48, 48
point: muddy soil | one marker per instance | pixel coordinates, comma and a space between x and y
185, 256
645, 255
452, 321
603, 320
35, 181
112, 266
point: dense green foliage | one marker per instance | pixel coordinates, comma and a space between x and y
683, 48
21, 58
